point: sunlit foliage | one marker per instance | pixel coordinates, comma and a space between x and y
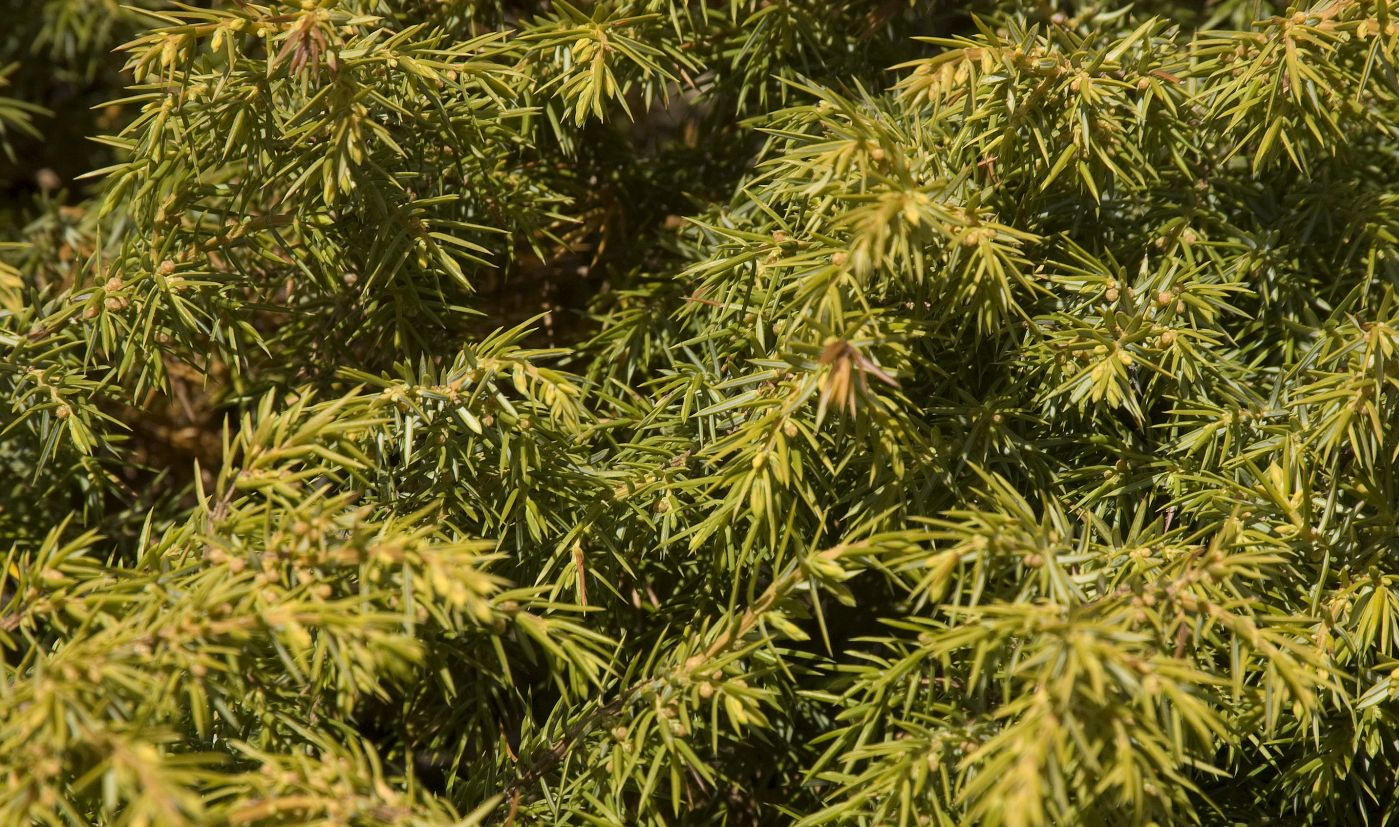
670, 412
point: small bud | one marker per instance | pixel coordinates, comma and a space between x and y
167, 267
1111, 294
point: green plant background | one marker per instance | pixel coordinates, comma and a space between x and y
678, 412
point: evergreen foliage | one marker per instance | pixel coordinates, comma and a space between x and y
668, 412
